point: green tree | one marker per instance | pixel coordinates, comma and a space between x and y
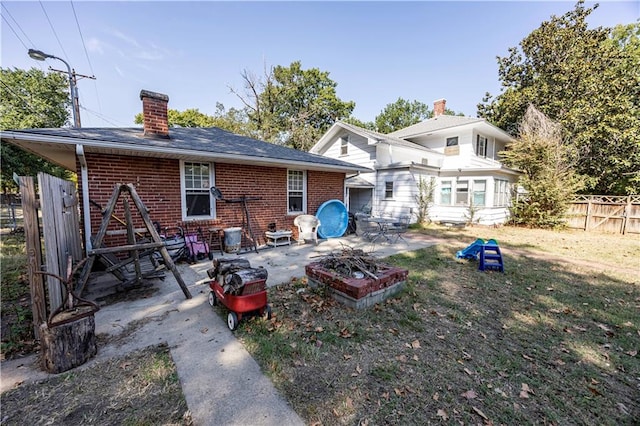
588, 80
233, 120
30, 99
401, 114
369, 125
548, 176
293, 106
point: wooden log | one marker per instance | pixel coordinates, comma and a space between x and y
235, 281
67, 345
223, 266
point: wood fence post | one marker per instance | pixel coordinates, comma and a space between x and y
627, 212
34, 253
588, 218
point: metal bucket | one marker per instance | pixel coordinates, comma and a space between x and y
232, 239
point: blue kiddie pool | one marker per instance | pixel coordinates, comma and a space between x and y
333, 218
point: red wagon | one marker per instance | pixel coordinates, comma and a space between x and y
252, 301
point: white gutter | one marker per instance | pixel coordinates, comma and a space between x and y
84, 175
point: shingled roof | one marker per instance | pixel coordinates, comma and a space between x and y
184, 143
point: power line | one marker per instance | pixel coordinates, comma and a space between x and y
54, 31
102, 117
18, 25
86, 53
26, 102
13, 30
84, 46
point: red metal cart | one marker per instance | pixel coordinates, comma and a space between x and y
252, 301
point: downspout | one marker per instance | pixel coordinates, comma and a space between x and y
84, 175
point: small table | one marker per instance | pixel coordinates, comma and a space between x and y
278, 238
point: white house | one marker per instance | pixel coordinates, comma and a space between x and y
460, 154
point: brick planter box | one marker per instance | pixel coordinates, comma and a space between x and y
358, 292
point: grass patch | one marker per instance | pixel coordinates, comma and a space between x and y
554, 339
141, 388
17, 319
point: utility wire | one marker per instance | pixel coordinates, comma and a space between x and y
102, 117
54, 31
86, 53
14, 32
20, 97
82, 37
18, 25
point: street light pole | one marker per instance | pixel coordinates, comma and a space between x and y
73, 88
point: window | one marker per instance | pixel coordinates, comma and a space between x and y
452, 147
501, 193
479, 192
296, 191
197, 201
452, 141
344, 145
445, 192
388, 189
462, 192
481, 146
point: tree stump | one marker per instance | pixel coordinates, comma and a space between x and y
67, 345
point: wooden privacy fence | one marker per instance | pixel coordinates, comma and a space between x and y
605, 213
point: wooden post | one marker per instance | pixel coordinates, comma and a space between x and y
588, 219
34, 253
156, 237
131, 239
626, 214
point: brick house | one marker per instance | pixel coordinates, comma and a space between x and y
173, 169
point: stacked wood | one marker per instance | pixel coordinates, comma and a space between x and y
349, 261
234, 273
224, 266
234, 282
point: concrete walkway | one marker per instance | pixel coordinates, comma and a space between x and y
222, 383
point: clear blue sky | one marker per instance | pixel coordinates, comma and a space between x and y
193, 51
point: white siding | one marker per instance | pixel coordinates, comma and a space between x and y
358, 151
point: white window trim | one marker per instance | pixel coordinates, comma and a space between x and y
486, 146
304, 193
183, 193
393, 188
344, 138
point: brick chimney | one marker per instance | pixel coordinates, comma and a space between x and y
438, 107
154, 111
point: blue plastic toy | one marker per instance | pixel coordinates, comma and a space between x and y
489, 252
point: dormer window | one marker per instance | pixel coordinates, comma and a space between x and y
481, 146
344, 145
452, 141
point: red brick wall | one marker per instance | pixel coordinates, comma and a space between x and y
157, 182
323, 186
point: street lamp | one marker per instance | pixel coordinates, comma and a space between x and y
39, 55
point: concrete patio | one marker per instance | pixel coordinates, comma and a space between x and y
222, 383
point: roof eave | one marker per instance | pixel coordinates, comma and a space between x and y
22, 139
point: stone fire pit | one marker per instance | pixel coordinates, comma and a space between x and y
356, 279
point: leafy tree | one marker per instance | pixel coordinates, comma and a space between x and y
30, 99
233, 120
293, 106
589, 81
401, 114
548, 173
369, 125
